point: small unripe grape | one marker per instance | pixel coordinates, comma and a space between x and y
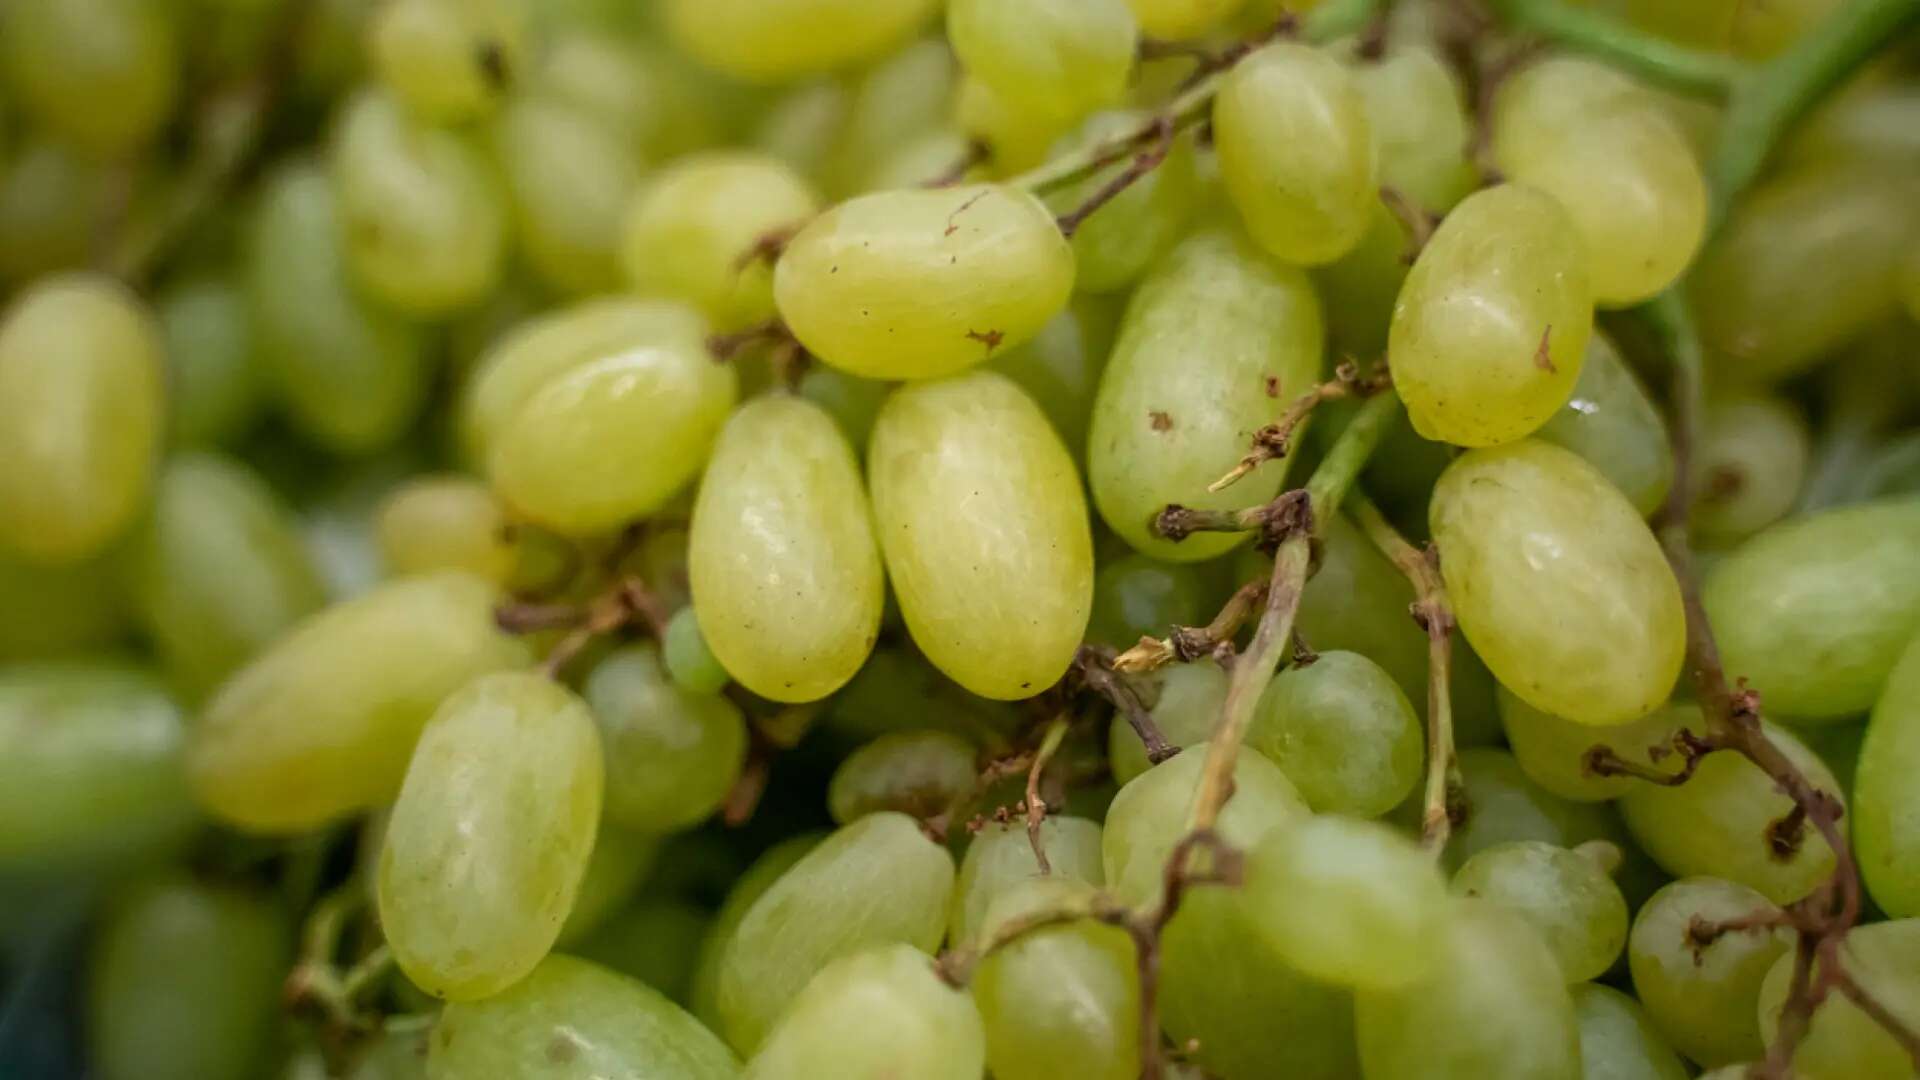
916, 284
767, 41
689, 659
919, 773
1842, 1042
1886, 810
1343, 733
1490, 330
1186, 712
1617, 1039
1063, 1001
1058, 57
876, 1014
1703, 997
1612, 422
672, 754
570, 176
1179, 19
1553, 751
1296, 152
447, 60
1750, 462
99, 74
1001, 856
1565, 895
215, 389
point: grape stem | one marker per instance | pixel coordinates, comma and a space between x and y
319, 987
1275, 440
1098, 668
1036, 808
1189, 643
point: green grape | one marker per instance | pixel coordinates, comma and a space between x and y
80, 413
1358, 602
1418, 116
919, 773
1128, 235
219, 570
1502, 805
983, 524
800, 126
1617, 1039
1062, 58
926, 159
1179, 19
573, 1020
447, 60
1805, 263
59, 610
1060, 368
878, 881
1815, 611
703, 995
1016, 139
900, 100
1622, 169
52, 203
1216, 343
1136, 596
1492, 1007
570, 176
1565, 895
664, 103
656, 942
1558, 583
351, 377
1843, 1042
1296, 152
672, 754
898, 683
1348, 901
101, 75
621, 858
1490, 331
1343, 733
691, 231
183, 983
90, 754
916, 284
1910, 286
1886, 805
323, 722
444, 521
1360, 287
853, 402
1191, 699
598, 413
400, 1055
689, 659
1552, 751
214, 391
1749, 466
1063, 1001
1000, 857
1612, 422
767, 41
1702, 997
877, 1014
785, 570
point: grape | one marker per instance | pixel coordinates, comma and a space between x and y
703, 994
1612, 423
214, 390
779, 40
689, 660
1749, 467
1502, 805
573, 1020
876, 882
785, 570
898, 681
1343, 733
1064, 1001
691, 231
1348, 901
920, 773
1621, 168
1127, 236
1015, 138
1191, 698
1135, 596
663, 102
1565, 895
392, 1056
671, 754
1182, 18
1060, 368
447, 60
447, 522
1618, 1041
1552, 751
799, 127
1216, 343
916, 284
877, 1014
1000, 857
620, 859
491, 834
80, 413
1702, 997
1418, 117
424, 217
90, 774
1886, 828
58, 610
1297, 152
656, 942
1843, 1042
1061, 58
980, 516
183, 983
99, 74
1559, 585
323, 722
350, 377
1360, 287
218, 571
1815, 611
570, 176
1490, 330
900, 100
52, 201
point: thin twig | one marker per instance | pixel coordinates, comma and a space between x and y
1188, 643
1275, 441
1098, 669
1417, 220
1159, 146
1037, 806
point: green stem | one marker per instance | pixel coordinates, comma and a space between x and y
1689, 71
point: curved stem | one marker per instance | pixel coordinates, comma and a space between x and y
1690, 71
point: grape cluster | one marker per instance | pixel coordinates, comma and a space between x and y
874, 539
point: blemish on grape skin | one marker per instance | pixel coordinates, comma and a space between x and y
990, 338
1159, 420
1543, 356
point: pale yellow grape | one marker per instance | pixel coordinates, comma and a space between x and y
1000, 856
1418, 117
984, 528
322, 724
915, 284
443, 521
876, 882
80, 414
569, 175
1059, 57
1494, 1008
1559, 585
1062, 1001
1565, 895
447, 60
756, 879
99, 74
1552, 751
879, 1014
490, 836
903, 99
1296, 152
799, 126
1886, 811
786, 574
597, 414
1016, 138
1751, 459
1491, 327
1216, 343
1612, 422
779, 40
1703, 999
1843, 1042
1182, 18
1617, 1039
691, 231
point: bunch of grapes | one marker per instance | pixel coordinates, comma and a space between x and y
947, 539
